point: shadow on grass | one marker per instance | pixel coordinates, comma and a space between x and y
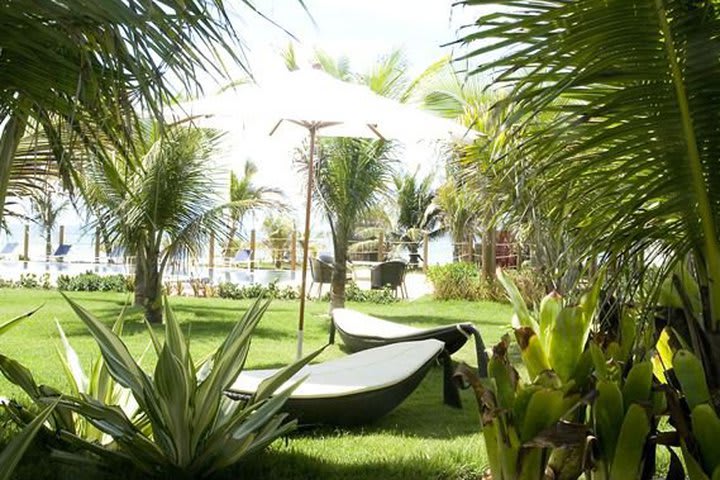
424, 320
279, 465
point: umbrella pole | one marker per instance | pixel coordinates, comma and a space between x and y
306, 242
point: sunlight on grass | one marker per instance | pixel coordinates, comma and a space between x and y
422, 438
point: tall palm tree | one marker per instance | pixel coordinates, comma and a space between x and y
164, 208
353, 174
455, 206
635, 148
278, 232
247, 197
415, 218
92, 67
469, 169
46, 210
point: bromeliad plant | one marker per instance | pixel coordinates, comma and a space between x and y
587, 406
516, 417
184, 426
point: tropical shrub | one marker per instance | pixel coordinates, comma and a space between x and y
635, 199
14, 448
465, 281
183, 426
28, 280
13, 452
92, 282
256, 290
353, 293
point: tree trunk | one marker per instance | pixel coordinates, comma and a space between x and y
339, 273
488, 253
153, 295
148, 288
9, 140
228, 253
457, 250
48, 243
139, 279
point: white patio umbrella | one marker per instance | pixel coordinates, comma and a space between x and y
324, 106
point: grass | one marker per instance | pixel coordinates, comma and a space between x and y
420, 439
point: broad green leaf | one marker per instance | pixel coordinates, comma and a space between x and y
5, 327
269, 385
118, 360
71, 365
567, 341
518, 302
13, 452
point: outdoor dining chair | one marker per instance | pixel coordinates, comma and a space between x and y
389, 274
320, 272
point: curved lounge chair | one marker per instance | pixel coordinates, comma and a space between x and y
360, 331
351, 390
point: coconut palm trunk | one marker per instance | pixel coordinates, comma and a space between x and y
148, 283
489, 242
48, 242
340, 243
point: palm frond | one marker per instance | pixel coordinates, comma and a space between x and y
635, 145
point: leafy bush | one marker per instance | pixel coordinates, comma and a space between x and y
28, 280
464, 281
92, 282
182, 425
353, 293
256, 290
460, 281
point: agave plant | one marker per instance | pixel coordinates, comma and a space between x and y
13, 322
13, 452
184, 425
98, 385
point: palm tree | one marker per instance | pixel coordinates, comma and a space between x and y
164, 208
634, 149
415, 218
248, 197
455, 205
45, 213
353, 174
469, 169
67, 67
278, 230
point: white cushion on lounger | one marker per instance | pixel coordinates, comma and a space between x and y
360, 324
364, 371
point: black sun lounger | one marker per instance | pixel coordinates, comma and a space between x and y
360, 331
351, 390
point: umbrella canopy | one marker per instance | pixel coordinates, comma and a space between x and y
313, 96
324, 106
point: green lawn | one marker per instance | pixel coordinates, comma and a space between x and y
420, 439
